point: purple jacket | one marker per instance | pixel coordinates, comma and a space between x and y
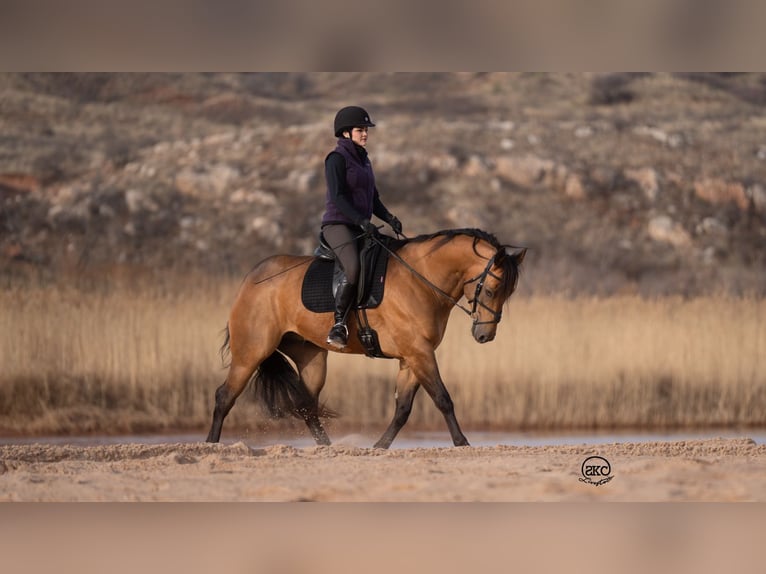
351, 201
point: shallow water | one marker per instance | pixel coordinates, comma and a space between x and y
408, 440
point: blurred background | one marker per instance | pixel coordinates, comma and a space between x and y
647, 183
131, 205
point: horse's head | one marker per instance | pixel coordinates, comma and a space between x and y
489, 272
489, 288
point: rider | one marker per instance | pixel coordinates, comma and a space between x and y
352, 199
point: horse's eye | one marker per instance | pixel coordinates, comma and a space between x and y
489, 293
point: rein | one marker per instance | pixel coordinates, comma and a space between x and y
480, 278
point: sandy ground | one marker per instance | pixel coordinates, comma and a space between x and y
699, 470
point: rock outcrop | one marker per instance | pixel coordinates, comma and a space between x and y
659, 192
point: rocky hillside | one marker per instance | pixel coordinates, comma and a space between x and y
648, 183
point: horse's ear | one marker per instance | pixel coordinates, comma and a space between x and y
516, 254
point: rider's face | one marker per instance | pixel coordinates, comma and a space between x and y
359, 136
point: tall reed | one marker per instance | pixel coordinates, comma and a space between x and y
129, 358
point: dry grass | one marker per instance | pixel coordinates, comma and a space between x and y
127, 358
145, 358
617, 362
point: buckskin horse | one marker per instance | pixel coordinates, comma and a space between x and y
427, 276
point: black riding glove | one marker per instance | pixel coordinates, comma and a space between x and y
368, 227
395, 224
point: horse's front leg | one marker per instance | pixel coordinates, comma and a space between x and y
415, 372
406, 388
427, 372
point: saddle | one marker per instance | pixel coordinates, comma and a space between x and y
324, 274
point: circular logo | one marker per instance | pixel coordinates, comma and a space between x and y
596, 470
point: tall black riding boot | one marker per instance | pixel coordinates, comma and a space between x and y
338, 336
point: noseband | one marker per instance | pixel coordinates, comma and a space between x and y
475, 302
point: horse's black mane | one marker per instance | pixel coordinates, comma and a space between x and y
503, 259
449, 234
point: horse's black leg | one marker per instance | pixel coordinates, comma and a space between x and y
444, 403
317, 430
223, 404
311, 362
406, 389
226, 395
432, 382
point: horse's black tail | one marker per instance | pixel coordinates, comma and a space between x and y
279, 387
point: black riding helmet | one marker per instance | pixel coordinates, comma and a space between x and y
351, 117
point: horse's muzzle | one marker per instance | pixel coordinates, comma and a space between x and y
483, 333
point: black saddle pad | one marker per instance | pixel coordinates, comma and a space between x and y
316, 292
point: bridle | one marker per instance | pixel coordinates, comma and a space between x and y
475, 302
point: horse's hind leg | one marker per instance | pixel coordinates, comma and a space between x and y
311, 362
406, 388
227, 394
247, 353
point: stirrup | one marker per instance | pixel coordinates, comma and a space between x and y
337, 339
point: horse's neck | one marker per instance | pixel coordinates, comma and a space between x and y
445, 264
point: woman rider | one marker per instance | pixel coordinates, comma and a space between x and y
352, 199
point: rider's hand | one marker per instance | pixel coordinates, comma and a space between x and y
396, 225
368, 227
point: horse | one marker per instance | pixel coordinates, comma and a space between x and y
427, 277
